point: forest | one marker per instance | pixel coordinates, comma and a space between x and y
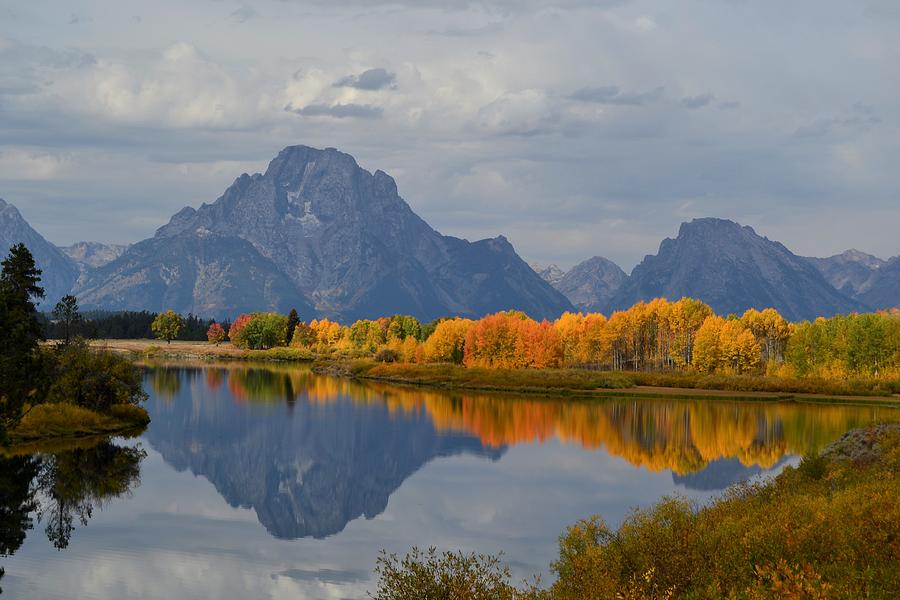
656, 336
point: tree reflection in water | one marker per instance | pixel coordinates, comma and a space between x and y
62, 488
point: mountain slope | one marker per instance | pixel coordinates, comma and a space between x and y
849, 271
732, 269
883, 289
200, 273
549, 273
59, 272
352, 246
91, 255
591, 284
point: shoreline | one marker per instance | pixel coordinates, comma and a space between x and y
61, 425
572, 383
449, 378
201, 351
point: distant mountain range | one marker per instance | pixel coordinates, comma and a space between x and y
60, 272
318, 233
732, 269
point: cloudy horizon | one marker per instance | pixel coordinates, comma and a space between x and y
574, 128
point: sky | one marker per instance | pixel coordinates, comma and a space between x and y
574, 127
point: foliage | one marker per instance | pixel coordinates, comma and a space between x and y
21, 365
67, 315
92, 378
447, 342
46, 421
429, 575
827, 529
215, 334
292, 322
167, 325
386, 355
126, 325
259, 331
821, 530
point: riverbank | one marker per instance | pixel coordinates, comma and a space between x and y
60, 423
596, 384
826, 528
150, 349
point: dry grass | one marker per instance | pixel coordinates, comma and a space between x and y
576, 382
57, 421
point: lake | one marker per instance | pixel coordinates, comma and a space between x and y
274, 482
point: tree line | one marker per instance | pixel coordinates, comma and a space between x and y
32, 374
659, 335
118, 325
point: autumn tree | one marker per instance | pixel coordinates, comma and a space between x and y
448, 342
236, 330
215, 334
167, 325
259, 331
304, 336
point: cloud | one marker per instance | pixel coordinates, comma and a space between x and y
465, 32
243, 14
370, 80
700, 101
860, 118
611, 94
339, 111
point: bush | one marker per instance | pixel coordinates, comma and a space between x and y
827, 529
386, 355
450, 575
93, 379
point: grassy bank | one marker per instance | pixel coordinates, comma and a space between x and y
47, 423
154, 349
828, 528
577, 382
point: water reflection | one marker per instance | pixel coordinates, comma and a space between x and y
297, 448
62, 488
311, 453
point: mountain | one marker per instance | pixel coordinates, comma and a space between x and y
90, 255
198, 272
59, 272
882, 290
549, 273
591, 285
849, 271
732, 269
342, 237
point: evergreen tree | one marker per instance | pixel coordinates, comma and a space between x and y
21, 367
67, 315
293, 321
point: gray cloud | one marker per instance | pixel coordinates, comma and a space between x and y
243, 14
370, 80
339, 111
611, 94
700, 101
104, 134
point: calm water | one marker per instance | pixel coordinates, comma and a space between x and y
278, 483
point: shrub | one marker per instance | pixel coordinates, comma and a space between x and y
386, 355
93, 379
449, 575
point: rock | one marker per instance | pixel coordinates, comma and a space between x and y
731, 268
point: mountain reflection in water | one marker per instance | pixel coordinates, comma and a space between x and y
311, 453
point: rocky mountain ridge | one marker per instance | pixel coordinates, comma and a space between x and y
341, 237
